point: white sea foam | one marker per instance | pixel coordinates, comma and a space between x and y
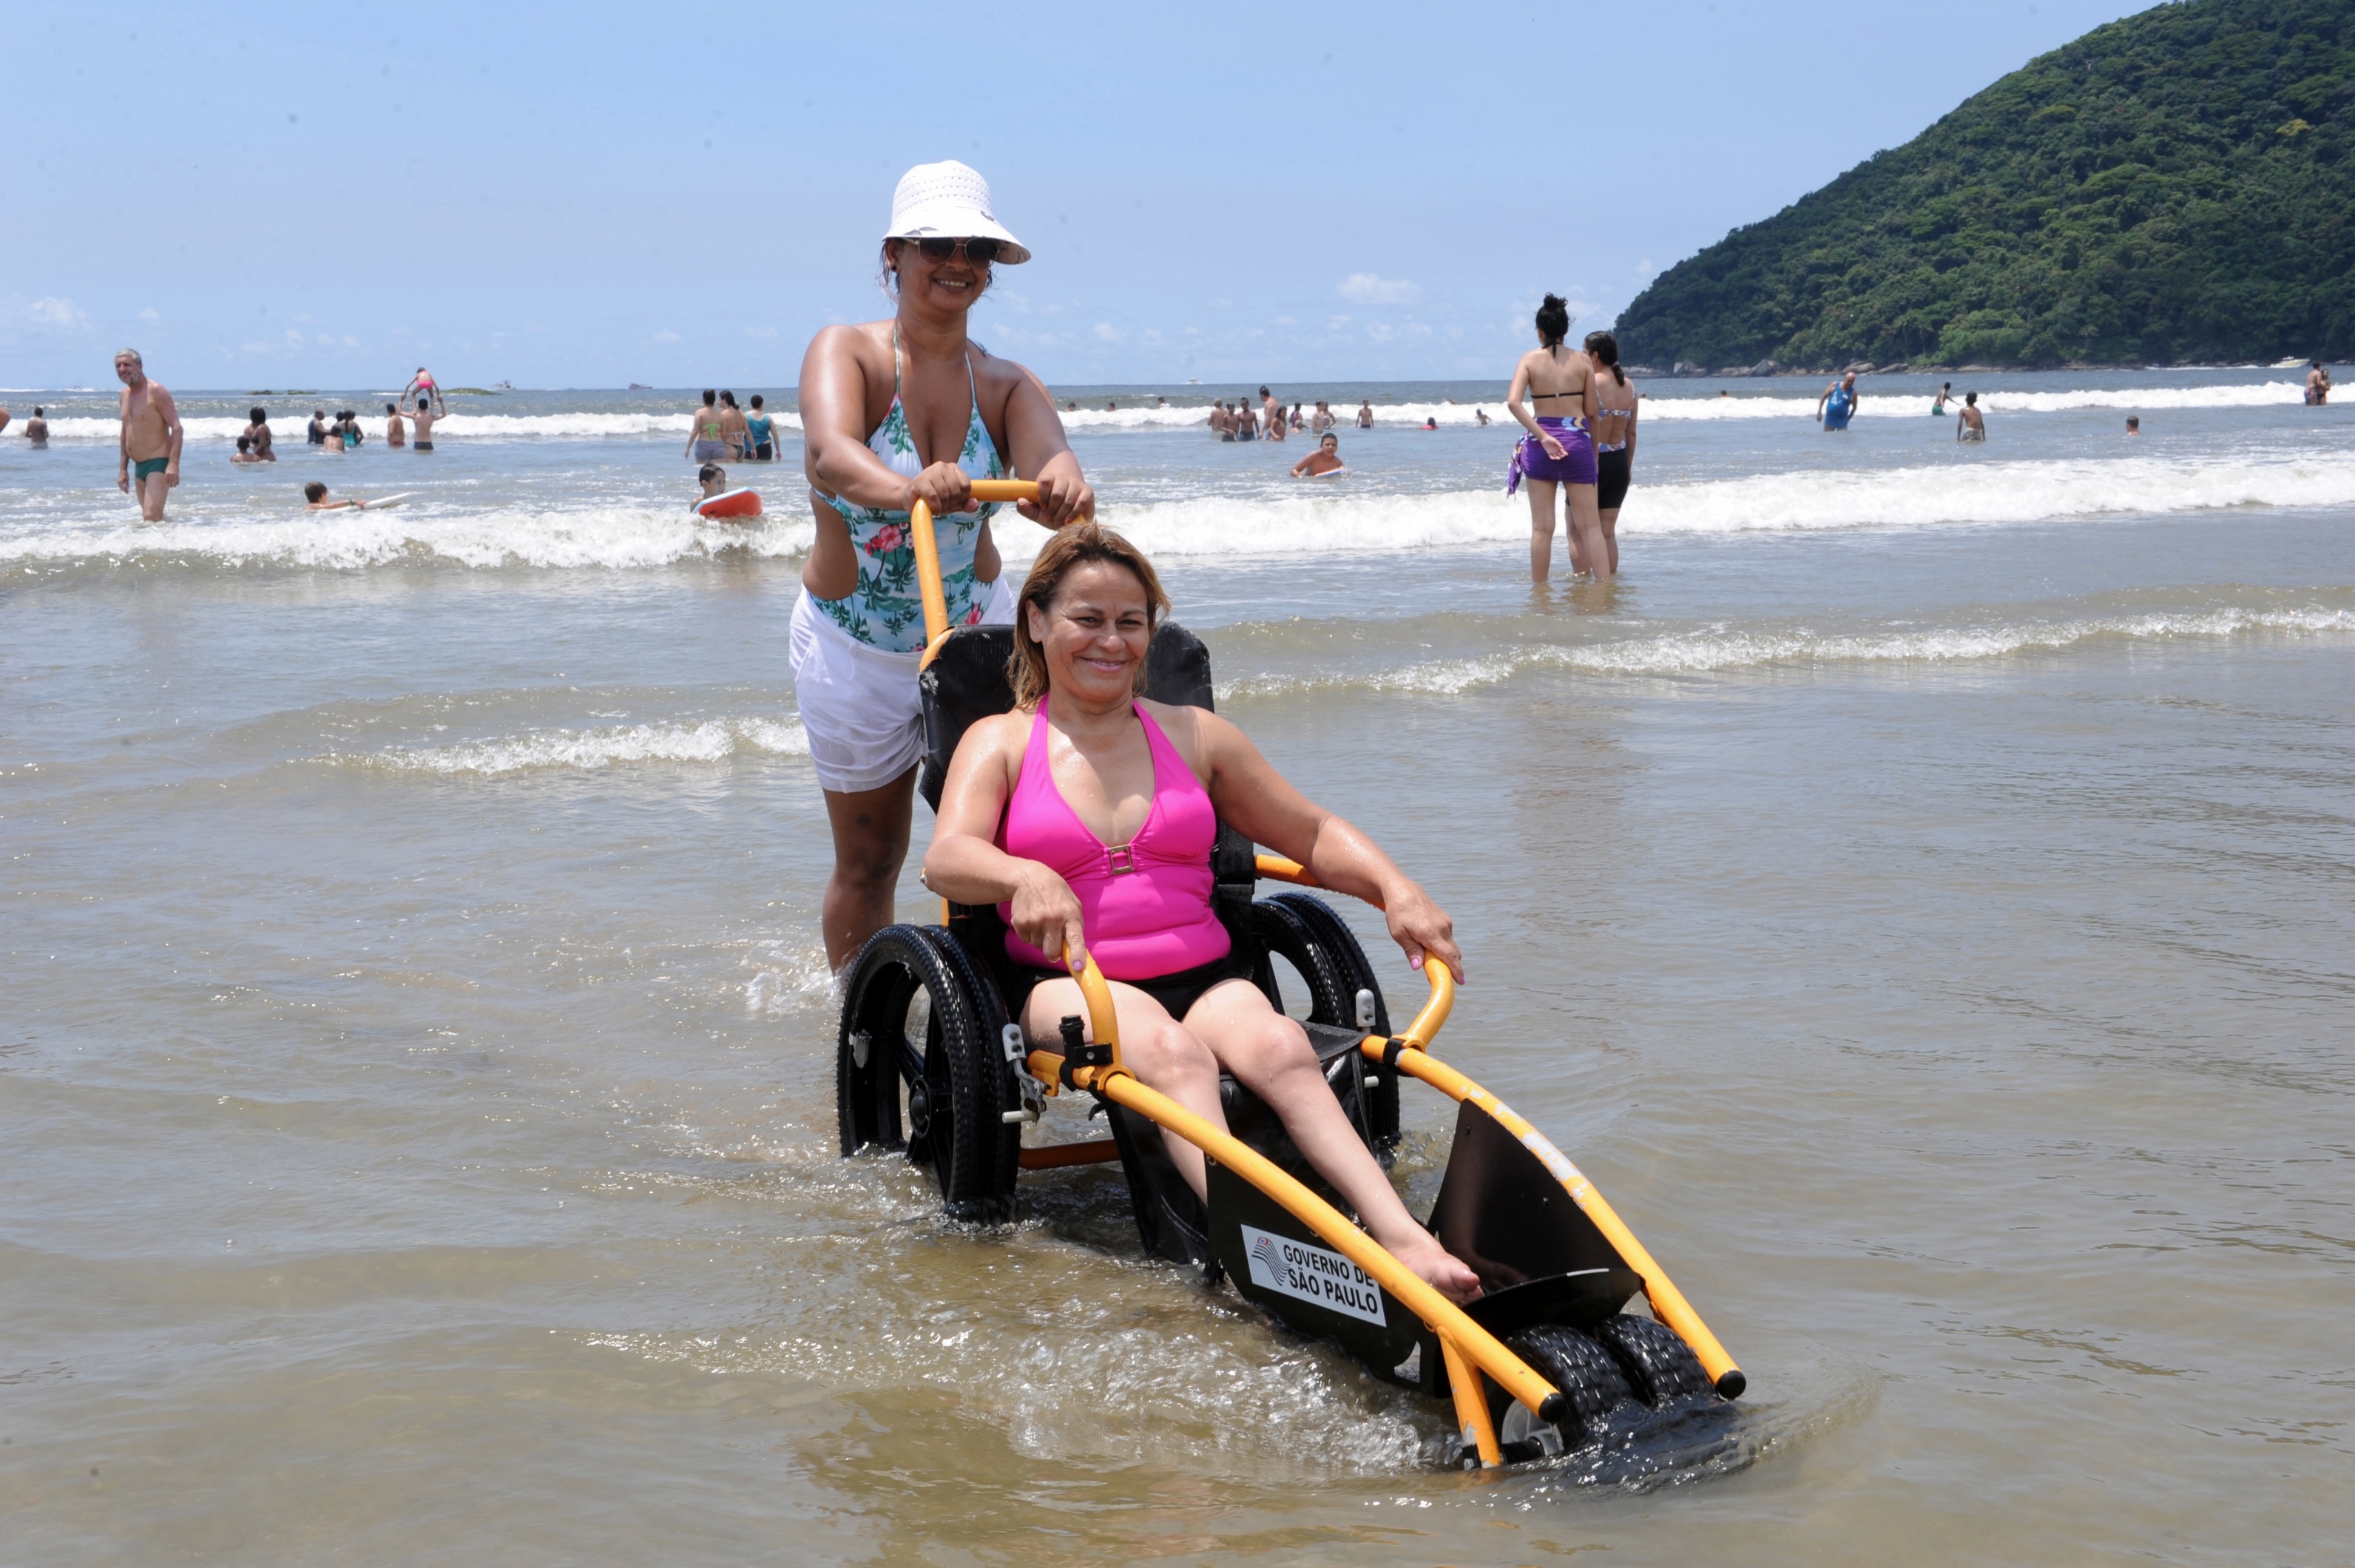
1880, 404
287, 431
1660, 403
713, 740
1330, 521
613, 537
1924, 495
1721, 648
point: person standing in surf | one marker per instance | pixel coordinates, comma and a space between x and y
1559, 451
1970, 425
896, 411
1616, 401
1838, 405
150, 436
2318, 386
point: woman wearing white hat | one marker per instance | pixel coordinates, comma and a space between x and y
893, 412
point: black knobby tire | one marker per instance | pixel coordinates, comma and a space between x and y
1344, 972
954, 1078
1660, 1368
1582, 1370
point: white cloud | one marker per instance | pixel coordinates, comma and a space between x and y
1643, 269
1107, 333
151, 314
54, 312
1366, 288
665, 338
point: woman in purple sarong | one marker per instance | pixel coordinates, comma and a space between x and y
1559, 449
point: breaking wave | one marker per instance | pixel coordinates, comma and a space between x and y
1718, 648
713, 740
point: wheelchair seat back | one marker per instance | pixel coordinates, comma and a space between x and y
967, 682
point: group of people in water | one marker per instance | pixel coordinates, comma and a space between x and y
719, 429
1238, 420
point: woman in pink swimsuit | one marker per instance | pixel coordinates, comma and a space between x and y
1088, 813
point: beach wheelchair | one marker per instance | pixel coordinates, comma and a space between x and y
929, 1067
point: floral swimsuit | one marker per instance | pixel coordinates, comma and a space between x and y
887, 609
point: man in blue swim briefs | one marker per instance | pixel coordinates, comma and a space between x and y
150, 436
1840, 402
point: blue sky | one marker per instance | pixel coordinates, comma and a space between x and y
587, 195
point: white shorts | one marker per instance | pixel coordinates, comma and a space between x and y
859, 706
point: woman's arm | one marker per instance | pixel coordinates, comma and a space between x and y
834, 435
964, 864
1590, 403
1034, 432
1260, 802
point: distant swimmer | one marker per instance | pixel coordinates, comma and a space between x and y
1222, 420
1946, 396
422, 382
1246, 421
731, 427
396, 432
1111, 407
1615, 405
2318, 386
1970, 423
150, 436
37, 429
1431, 421
706, 436
316, 494
257, 429
1326, 459
1840, 402
1366, 414
425, 418
713, 480
2134, 424
1482, 415
760, 430
318, 433
1322, 420
244, 453
1559, 451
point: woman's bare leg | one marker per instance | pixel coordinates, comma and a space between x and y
1269, 1055
1162, 1053
1586, 533
1611, 537
870, 844
1541, 527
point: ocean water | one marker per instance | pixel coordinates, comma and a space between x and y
1918, 893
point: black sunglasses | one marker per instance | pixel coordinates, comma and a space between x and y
980, 252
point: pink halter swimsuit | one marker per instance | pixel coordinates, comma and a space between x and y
1146, 904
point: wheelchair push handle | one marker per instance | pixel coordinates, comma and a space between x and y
928, 553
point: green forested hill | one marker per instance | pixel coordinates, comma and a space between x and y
2179, 186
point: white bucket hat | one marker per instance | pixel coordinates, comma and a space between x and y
949, 201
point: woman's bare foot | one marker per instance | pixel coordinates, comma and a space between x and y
1435, 1265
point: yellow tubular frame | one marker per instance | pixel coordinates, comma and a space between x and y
928, 555
1667, 1303
1463, 1343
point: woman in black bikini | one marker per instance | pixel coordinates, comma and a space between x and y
1614, 438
